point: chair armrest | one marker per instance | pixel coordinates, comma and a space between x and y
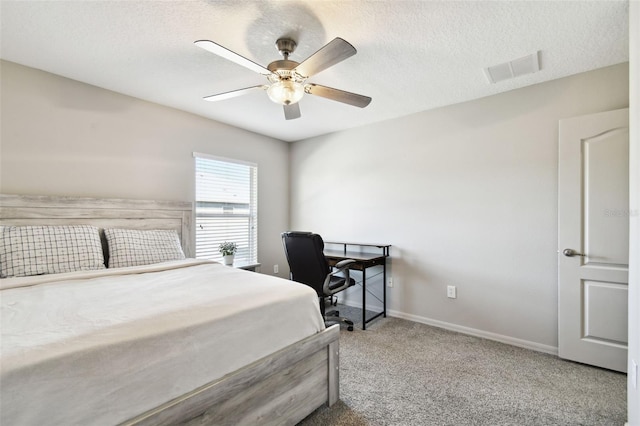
342, 266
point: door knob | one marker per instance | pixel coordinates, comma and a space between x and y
570, 253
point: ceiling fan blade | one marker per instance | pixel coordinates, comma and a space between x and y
337, 95
292, 111
231, 56
335, 51
233, 93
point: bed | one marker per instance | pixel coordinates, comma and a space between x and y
179, 341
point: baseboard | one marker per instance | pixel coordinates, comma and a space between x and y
553, 350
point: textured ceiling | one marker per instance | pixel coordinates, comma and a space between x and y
412, 55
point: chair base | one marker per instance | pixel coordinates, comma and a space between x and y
334, 317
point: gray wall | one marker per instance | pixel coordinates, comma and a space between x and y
467, 196
62, 137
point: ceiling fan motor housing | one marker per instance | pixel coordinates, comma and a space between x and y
282, 64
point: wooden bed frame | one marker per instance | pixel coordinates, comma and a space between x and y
281, 388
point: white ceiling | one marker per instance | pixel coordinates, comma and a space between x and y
412, 55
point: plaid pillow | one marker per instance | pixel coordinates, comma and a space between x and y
132, 247
38, 250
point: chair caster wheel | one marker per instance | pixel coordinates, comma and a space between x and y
350, 328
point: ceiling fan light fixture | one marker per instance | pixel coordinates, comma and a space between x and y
285, 92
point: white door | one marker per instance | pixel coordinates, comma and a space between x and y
593, 239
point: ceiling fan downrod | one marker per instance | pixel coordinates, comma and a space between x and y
286, 46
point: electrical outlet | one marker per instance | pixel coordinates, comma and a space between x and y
451, 292
275, 269
390, 283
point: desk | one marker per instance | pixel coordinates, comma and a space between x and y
363, 261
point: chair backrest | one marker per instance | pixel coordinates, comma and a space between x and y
305, 254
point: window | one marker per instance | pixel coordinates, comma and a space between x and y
226, 207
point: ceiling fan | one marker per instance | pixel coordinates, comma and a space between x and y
288, 79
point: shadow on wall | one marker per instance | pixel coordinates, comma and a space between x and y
409, 274
402, 269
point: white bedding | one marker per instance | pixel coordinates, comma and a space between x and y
100, 347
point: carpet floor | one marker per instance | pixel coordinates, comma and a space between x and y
399, 372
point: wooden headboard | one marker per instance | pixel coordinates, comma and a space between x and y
100, 212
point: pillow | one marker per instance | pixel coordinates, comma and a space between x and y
38, 250
132, 247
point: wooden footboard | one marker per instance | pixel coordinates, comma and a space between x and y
280, 389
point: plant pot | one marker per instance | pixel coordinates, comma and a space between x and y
228, 259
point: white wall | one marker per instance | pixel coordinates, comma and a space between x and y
633, 392
467, 196
62, 137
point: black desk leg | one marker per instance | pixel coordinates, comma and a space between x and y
364, 298
384, 288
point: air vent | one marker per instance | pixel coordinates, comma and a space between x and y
521, 66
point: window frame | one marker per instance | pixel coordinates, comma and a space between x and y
210, 251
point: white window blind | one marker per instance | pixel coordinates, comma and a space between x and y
226, 207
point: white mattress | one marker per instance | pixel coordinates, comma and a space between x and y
101, 347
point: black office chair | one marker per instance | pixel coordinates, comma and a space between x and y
307, 265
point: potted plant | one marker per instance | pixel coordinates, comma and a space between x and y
228, 250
